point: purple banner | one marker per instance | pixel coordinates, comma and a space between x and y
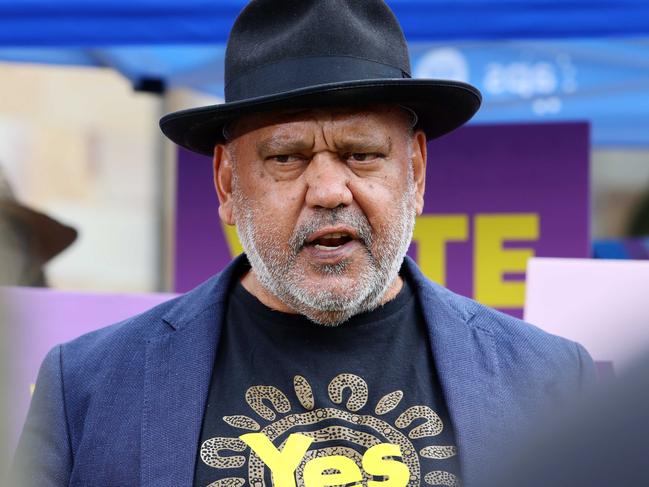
495, 196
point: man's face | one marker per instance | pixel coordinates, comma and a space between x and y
324, 202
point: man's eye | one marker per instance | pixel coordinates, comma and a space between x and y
284, 158
362, 156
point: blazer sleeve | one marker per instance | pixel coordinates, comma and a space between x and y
43, 457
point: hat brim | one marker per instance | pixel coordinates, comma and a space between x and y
441, 107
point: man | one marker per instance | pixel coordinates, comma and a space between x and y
320, 357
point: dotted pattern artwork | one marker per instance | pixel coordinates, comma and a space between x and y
357, 385
210, 452
438, 452
432, 427
439, 477
243, 422
303, 392
384, 433
255, 396
359, 431
229, 482
388, 402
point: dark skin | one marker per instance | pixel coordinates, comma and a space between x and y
290, 165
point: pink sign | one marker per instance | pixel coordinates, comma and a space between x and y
602, 304
39, 319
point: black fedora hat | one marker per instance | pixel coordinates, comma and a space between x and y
285, 54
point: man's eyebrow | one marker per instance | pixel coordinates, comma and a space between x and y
363, 142
283, 144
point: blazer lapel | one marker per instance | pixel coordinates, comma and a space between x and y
467, 366
176, 381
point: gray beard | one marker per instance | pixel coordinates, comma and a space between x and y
275, 268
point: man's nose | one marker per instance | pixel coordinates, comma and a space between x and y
328, 179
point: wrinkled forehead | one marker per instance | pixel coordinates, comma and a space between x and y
361, 118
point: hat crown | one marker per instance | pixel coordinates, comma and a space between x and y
335, 40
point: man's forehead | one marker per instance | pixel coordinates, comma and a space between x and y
358, 116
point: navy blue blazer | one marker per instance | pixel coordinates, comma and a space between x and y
123, 406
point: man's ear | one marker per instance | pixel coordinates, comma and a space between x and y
222, 164
419, 159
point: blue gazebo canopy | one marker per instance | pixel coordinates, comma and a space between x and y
534, 60
77, 23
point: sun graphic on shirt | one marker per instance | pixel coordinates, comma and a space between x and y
359, 431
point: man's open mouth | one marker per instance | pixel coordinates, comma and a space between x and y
331, 238
331, 241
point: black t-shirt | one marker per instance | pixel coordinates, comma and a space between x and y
325, 405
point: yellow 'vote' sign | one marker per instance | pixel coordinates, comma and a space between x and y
491, 260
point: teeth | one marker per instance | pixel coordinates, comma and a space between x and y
334, 235
325, 247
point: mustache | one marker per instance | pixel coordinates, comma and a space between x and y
327, 217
